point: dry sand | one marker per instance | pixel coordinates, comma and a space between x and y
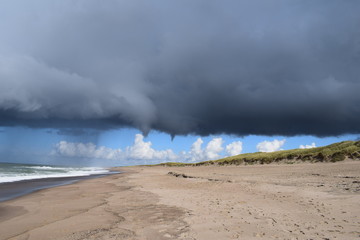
301, 201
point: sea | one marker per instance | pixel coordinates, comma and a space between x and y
20, 179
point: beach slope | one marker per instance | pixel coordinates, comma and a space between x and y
276, 201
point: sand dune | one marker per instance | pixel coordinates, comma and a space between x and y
301, 201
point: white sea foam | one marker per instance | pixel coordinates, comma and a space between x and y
47, 168
13, 173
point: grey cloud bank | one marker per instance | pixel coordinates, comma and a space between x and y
182, 67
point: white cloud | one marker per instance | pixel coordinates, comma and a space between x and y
142, 151
213, 148
270, 146
196, 153
307, 146
86, 150
234, 148
210, 152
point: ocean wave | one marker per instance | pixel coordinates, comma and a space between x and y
21, 173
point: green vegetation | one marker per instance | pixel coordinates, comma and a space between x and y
331, 153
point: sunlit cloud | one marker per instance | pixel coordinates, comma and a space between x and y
143, 150
313, 145
270, 146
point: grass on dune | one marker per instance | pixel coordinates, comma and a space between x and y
331, 153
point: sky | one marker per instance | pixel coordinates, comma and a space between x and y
124, 82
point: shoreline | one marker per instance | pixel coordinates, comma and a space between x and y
88, 209
12, 190
302, 201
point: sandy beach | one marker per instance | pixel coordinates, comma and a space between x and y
298, 201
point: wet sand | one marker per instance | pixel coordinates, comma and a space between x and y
300, 201
16, 189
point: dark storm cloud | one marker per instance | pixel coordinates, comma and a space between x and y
182, 67
77, 132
